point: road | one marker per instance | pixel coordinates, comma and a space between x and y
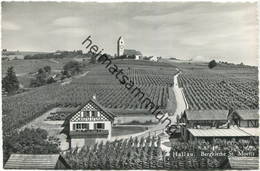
159, 129
181, 103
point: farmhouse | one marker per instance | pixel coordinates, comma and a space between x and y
90, 124
36, 161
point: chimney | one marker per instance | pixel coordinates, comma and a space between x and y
94, 97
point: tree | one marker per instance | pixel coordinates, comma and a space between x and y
50, 80
93, 59
47, 69
212, 64
29, 141
72, 67
10, 82
40, 79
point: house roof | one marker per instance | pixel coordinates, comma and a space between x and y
244, 162
106, 111
248, 114
34, 161
231, 132
206, 114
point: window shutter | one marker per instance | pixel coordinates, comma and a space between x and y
95, 126
74, 126
103, 126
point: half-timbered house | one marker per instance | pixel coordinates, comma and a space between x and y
90, 124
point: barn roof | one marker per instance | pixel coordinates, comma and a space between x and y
231, 132
206, 114
248, 114
252, 131
244, 162
34, 161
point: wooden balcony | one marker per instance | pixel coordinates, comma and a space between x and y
97, 133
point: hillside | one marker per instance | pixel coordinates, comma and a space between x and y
153, 81
223, 87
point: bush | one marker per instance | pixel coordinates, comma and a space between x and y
72, 67
212, 64
28, 141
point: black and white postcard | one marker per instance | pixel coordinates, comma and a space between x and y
130, 85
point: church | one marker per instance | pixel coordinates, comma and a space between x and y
90, 124
129, 53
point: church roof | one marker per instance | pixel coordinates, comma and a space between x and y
131, 52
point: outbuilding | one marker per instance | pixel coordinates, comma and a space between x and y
36, 161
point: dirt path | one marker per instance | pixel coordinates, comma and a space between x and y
159, 129
180, 99
52, 127
181, 105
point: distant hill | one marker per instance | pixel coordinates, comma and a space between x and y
18, 54
8, 53
172, 58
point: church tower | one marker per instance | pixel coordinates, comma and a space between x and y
120, 46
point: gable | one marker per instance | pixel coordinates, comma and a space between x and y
90, 106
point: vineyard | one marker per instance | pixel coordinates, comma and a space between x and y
215, 90
22, 108
146, 153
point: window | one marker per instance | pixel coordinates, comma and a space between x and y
94, 113
86, 114
99, 126
85, 126
78, 126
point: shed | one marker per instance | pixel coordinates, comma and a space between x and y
244, 162
196, 115
36, 161
248, 118
210, 134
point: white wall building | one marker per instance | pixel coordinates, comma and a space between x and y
90, 124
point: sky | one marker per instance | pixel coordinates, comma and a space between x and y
190, 30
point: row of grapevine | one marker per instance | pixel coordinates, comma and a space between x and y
208, 91
22, 108
146, 153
